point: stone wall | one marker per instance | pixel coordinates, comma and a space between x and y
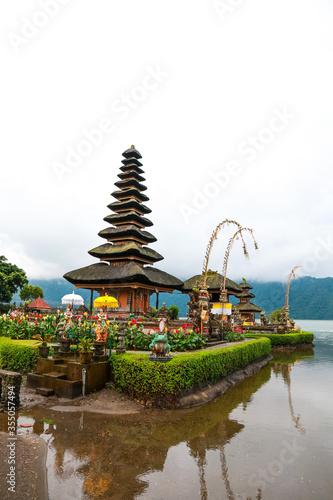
10, 385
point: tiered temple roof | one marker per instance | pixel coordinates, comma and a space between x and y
213, 283
245, 296
124, 254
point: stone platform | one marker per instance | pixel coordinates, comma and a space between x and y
64, 376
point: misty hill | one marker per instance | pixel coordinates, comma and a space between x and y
309, 298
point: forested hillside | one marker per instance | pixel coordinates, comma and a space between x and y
310, 298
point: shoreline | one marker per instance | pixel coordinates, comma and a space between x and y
209, 392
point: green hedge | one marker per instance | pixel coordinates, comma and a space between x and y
284, 339
17, 356
161, 383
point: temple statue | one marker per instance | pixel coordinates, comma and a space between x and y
160, 346
101, 329
67, 329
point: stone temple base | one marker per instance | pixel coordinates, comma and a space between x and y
64, 376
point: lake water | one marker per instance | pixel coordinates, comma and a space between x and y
270, 437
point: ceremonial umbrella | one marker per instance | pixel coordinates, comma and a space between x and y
105, 301
73, 299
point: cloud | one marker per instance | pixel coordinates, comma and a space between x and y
225, 78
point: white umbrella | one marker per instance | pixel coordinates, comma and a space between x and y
73, 299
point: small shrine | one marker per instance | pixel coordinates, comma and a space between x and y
125, 269
213, 283
39, 305
244, 307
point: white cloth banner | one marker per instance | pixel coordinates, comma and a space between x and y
219, 308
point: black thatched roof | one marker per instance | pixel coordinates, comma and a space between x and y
131, 272
213, 282
107, 250
130, 231
248, 307
131, 174
129, 193
128, 205
130, 166
131, 152
130, 183
128, 217
245, 295
245, 286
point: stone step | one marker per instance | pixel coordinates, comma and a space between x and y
44, 391
59, 361
62, 368
55, 375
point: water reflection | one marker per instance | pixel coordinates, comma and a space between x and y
282, 365
101, 456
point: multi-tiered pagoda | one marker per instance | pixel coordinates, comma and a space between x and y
123, 271
244, 307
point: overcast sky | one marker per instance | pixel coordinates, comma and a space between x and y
229, 103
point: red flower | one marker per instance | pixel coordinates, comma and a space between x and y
184, 325
140, 319
56, 324
119, 316
90, 316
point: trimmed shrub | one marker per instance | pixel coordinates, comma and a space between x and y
161, 383
284, 339
17, 356
174, 312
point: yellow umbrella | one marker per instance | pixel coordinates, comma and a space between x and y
105, 301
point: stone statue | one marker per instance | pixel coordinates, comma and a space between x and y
263, 319
67, 330
163, 312
214, 325
101, 329
237, 318
160, 346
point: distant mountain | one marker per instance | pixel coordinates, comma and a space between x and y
309, 298
55, 289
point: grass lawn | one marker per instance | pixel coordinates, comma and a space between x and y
28, 343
